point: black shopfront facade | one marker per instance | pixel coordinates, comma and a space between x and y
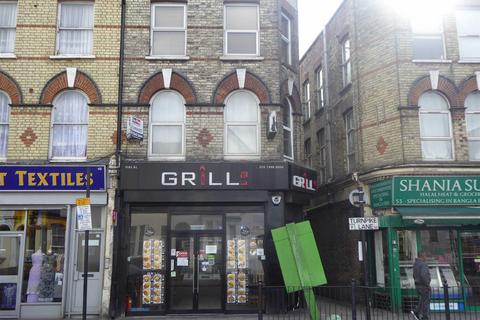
195, 237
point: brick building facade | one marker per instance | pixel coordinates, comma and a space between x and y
212, 87
58, 107
395, 106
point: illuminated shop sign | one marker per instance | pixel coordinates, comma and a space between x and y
51, 178
221, 175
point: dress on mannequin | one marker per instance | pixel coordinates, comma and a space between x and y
34, 276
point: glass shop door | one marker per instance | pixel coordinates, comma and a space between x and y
11, 248
196, 272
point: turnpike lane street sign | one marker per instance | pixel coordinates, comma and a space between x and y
364, 223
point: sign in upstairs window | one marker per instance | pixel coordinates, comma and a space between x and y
468, 30
168, 32
241, 29
8, 22
428, 38
75, 29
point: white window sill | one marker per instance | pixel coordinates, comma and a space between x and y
63, 57
68, 159
3, 159
432, 61
173, 158
235, 157
438, 160
8, 56
182, 58
287, 158
469, 61
239, 57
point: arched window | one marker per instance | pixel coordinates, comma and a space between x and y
69, 126
435, 127
287, 130
472, 104
242, 124
167, 125
4, 120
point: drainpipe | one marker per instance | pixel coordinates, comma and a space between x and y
327, 103
114, 297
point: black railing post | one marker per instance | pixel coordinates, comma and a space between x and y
260, 300
446, 300
354, 300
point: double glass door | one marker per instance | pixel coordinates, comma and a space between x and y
196, 264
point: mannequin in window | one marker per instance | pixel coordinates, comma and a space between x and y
34, 276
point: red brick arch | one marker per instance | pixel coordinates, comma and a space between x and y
422, 85
294, 99
468, 86
230, 83
177, 82
11, 88
59, 83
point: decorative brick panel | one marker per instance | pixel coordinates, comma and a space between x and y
28, 137
59, 83
252, 83
11, 88
422, 85
177, 83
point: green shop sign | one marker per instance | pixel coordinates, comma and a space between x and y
426, 191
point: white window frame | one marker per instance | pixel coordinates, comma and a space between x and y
287, 39
308, 156
350, 133
307, 111
170, 157
226, 31
420, 112
440, 35
160, 29
236, 156
346, 62
59, 16
319, 88
7, 124
10, 54
289, 130
460, 36
52, 124
322, 156
475, 138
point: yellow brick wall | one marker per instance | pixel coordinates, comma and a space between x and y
33, 68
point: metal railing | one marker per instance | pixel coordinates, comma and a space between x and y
354, 302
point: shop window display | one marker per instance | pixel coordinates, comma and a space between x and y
441, 249
245, 259
44, 256
146, 263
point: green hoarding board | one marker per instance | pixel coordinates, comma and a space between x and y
298, 256
436, 191
300, 262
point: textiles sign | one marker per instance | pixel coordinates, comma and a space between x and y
436, 190
51, 178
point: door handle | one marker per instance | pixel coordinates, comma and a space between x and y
198, 273
193, 276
